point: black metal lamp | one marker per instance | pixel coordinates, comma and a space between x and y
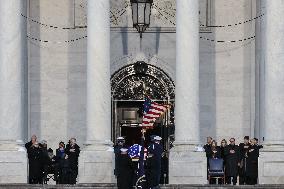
141, 13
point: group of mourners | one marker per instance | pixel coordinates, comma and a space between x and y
127, 171
42, 161
239, 160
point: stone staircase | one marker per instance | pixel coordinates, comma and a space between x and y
113, 186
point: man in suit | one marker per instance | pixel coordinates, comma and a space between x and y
232, 155
73, 151
243, 168
207, 149
252, 163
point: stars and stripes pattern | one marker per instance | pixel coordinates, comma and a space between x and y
134, 152
152, 111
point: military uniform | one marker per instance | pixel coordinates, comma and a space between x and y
124, 171
153, 164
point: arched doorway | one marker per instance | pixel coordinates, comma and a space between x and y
128, 86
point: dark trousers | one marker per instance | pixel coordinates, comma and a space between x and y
242, 176
228, 180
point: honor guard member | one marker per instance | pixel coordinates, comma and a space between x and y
155, 150
124, 170
116, 149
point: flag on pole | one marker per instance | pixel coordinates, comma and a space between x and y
152, 111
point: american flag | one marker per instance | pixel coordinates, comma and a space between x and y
152, 111
134, 151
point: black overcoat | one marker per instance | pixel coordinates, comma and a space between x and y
252, 162
124, 172
232, 160
35, 164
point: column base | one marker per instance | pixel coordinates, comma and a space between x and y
271, 165
186, 166
96, 164
13, 164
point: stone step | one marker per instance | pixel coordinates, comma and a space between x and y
113, 186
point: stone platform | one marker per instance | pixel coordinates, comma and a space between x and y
113, 186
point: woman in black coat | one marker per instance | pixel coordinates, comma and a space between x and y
215, 151
125, 170
222, 148
35, 164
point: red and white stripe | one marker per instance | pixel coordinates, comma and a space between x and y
155, 111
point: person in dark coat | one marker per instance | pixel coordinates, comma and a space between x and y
215, 151
49, 165
31, 142
59, 157
35, 164
73, 151
207, 148
252, 163
66, 173
116, 149
243, 168
155, 151
222, 148
232, 155
125, 170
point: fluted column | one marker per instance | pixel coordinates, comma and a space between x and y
274, 73
186, 165
187, 69
12, 59
272, 48
98, 73
96, 163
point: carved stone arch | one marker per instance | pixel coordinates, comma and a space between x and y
131, 81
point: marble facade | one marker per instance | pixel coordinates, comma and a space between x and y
52, 87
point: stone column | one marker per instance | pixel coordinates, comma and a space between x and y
95, 164
13, 160
186, 165
271, 157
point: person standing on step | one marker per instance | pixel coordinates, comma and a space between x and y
73, 151
124, 170
155, 150
116, 149
243, 165
252, 163
207, 149
232, 155
35, 164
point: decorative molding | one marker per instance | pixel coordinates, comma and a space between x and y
130, 83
